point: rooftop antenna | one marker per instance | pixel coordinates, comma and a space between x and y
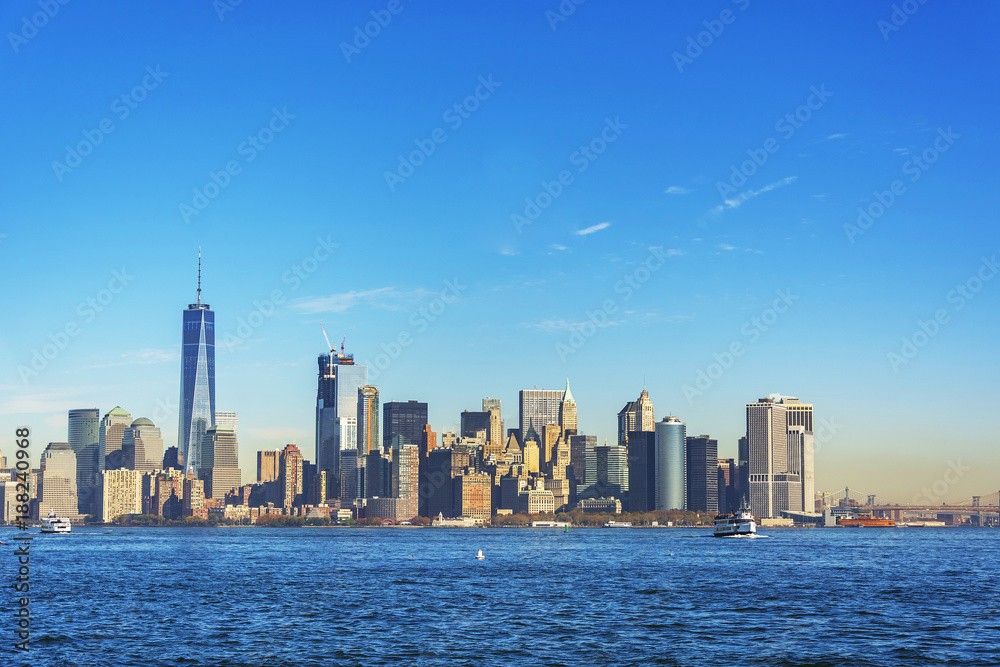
199, 275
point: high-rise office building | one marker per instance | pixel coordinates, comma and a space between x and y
368, 413
319, 491
290, 476
470, 423
579, 445
109, 435
641, 471
611, 463
378, 475
120, 493
407, 419
671, 462
727, 480
443, 466
644, 419
194, 497
84, 439
220, 462
268, 465
166, 493
743, 470
531, 456
561, 467
551, 435
538, 408
799, 416
142, 446
797, 413
492, 406
230, 419
495, 434
57, 481
473, 496
197, 401
626, 422
170, 459
337, 409
800, 445
702, 474
772, 487
352, 475
428, 441
567, 413
406, 479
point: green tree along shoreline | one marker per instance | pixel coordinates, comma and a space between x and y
576, 517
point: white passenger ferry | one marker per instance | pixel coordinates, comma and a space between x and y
55, 524
736, 523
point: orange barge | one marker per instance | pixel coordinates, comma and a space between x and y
865, 522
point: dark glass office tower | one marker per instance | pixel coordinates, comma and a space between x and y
702, 472
197, 402
641, 471
84, 438
406, 419
472, 422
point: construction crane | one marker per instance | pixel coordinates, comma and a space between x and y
342, 343
330, 347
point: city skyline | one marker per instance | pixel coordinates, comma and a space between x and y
549, 402
729, 235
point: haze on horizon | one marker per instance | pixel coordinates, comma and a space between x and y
803, 202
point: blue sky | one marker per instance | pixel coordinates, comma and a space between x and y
641, 204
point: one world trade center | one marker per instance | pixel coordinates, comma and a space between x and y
197, 402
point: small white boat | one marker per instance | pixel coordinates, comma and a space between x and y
618, 524
55, 524
479, 555
736, 523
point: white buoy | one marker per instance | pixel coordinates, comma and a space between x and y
479, 555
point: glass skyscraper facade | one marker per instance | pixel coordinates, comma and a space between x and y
84, 439
403, 418
197, 401
671, 464
337, 409
702, 474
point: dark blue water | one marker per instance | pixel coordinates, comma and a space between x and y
316, 596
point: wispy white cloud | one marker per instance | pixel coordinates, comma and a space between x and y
750, 194
726, 246
508, 252
385, 298
837, 135
556, 246
566, 325
678, 190
43, 401
593, 228
137, 357
670, 252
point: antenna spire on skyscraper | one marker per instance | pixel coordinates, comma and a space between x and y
199, 275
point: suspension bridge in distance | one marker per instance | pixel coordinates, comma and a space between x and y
986, 508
